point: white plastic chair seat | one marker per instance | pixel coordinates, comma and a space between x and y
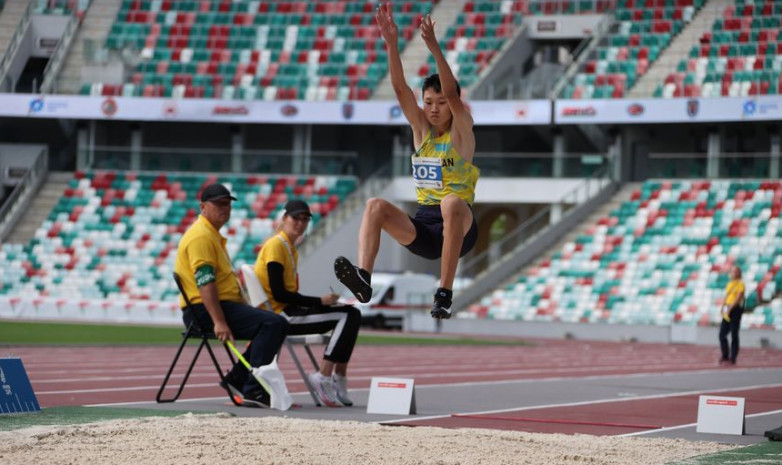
255, 291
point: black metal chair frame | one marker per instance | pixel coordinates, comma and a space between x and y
193, 331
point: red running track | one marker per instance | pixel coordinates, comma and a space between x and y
607, 418
101, 375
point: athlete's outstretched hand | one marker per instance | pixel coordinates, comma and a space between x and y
385, 21
427, 33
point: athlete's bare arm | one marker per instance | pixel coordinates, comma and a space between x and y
462, 135
414, 114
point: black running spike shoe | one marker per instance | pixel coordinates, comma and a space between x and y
441, 308
354, 278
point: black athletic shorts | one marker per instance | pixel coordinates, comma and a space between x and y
428, 242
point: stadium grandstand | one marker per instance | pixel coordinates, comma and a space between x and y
629, 153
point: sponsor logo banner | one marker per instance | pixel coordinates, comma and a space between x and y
635, 109
511, 112
673, 110
109, 107
394, 113
230, 110
693, 106
348, 109
206, 110
501, 112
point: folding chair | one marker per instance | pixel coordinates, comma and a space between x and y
258, 298
193, 331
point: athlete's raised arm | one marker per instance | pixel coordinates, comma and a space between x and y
404, 95
461, 128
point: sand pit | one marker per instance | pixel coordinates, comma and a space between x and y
213, 439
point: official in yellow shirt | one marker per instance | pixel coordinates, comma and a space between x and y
731, 311
211, 285
277, 269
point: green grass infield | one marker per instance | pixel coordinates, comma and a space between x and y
30, 333
763, 453
72, 415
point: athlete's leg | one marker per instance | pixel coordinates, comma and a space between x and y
457, 221
381, 215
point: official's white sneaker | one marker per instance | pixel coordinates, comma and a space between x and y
341, 390
324, 387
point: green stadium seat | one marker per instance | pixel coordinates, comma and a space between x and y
660, 258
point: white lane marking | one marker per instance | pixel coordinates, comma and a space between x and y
591, 402
690, 425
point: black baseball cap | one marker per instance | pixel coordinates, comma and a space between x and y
297, 207
215, 191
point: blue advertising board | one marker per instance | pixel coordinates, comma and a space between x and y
16, 392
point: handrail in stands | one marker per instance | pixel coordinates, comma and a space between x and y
13, 47
588, 46
57, 59
21, 196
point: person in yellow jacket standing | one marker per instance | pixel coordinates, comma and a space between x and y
731, 311
443, 174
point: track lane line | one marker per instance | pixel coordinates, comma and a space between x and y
690, 425
591, 402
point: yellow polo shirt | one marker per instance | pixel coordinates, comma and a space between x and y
202, 244
276, 250
734, 291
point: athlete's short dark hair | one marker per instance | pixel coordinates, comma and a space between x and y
433, 82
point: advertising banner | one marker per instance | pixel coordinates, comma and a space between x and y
253, 111
675, 110
16, 392
485, 113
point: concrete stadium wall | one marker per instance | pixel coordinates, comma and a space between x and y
700, 335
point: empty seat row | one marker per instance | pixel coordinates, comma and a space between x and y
662, 257
740, 56
113, 234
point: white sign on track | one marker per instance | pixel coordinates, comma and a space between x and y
392, 396
721, 415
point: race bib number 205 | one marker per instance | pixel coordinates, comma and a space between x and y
427, 172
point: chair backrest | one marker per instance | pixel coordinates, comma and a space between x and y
178, 282
253, 287
195, 325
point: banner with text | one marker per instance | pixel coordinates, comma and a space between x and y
252, 111
485, 113
675, 110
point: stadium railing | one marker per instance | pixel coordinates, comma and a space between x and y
489, 268
57, 60
20, 197
187, 159
583, 54
13, 47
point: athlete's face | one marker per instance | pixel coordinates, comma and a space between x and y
218, 212
438, 113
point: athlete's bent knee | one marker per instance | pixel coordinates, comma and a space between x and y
376, 207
